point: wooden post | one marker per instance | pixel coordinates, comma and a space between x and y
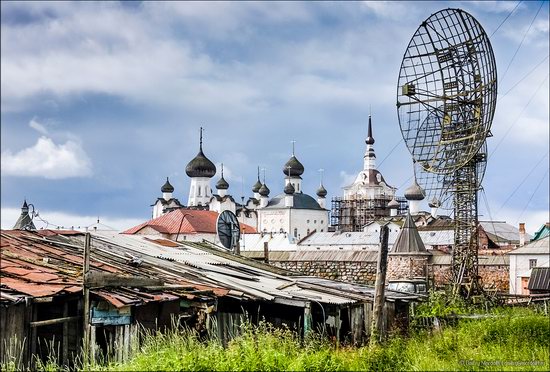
266, 252
86, 289
307, 318
378, 307
66, 335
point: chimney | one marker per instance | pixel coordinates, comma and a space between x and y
521, 234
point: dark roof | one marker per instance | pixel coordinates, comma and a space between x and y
289, 189
200, 166
257, 186
321, 191
24, 222
222, 184
166, 202
415, 192
296, 168
408, 241
393, 204
301, 201
167, 187
540, 279
264, 190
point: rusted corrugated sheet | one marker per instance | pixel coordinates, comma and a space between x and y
36, 266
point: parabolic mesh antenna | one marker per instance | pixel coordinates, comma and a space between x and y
446, 97
228, 229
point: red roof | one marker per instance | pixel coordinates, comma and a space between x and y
187, 221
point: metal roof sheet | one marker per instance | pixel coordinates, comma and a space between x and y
541, 246
540, 279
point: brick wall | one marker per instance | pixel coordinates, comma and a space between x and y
349, 271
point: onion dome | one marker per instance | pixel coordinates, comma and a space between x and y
222, 183
293, 167
264, 191
434, 203
258, 183
321, 191
414, 192
167, 187
200, 166
289, 189
393, 204
370, 138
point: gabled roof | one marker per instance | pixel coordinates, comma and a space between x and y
541, 246
184, 221
409, 241
500, 231
542, 232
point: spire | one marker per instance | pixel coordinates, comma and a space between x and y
200, 143
370, 138
408, 241
258, 183
24, 222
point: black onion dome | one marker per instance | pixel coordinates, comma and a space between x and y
289, 189
167, 187
256, 186
321, 191
414, 192
200, 166
222, 184
264, 190
296, 168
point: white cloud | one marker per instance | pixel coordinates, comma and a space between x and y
346, 178
47, 159
40, 128
533, 218
65, 220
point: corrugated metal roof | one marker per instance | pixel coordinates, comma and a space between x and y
500, 231
36, 266
201, 262
185, 221
541, 246
540, 279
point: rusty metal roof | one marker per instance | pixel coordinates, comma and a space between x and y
36, 266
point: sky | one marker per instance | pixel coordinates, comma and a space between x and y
100, 102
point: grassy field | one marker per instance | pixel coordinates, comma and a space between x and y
517, 340
511, 340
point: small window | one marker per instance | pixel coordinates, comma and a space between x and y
298, 187
295, 233
322, 222
307, 233
532, 263
307, 221
314, 221
199, 191
321, 230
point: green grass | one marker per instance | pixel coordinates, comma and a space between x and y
515, 340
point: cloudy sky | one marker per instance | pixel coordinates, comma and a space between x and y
101, 101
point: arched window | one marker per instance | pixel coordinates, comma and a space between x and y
307, 232
198, 191
295, 232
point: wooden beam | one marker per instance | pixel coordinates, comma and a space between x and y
41, 323
97, 279
86, 289
378, 306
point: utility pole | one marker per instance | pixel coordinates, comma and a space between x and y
86, 289
378, 306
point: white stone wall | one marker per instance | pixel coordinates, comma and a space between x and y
519, 268
296, 222
199, 191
